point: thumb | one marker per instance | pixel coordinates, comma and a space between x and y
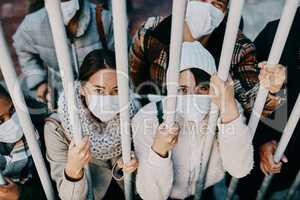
284, 159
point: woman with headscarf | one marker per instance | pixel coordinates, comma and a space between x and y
171, 158
100, 148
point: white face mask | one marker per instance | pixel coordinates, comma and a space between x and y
10, 130
202, 18
69, 9
103, 107
193, 107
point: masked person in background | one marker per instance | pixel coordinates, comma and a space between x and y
100, 148
170, 157
16, 162
267, 137
205, 22
88, 28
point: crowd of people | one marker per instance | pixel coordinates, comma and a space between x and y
165, 160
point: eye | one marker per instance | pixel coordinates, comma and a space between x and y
115, 92
182, 90
99, 91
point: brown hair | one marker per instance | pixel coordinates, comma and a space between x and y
95, 61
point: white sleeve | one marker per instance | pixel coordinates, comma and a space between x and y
236, 148
154, 178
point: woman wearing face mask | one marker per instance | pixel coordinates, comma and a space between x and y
170, 158
100, 148
205, 22
16, 163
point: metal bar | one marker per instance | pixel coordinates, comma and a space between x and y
234, 18
66, 70
289, 12
120, 25
178, 17
14, 88
285, 139
294, 187
281, 36
232, 188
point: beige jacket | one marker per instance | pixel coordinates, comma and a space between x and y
57, 150
160, 178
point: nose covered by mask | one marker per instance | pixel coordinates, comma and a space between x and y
193, 107
202, 18
69, 9
10, 130
103, 107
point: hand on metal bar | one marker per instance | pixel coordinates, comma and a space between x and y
267, 163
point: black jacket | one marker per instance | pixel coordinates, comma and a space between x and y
264, 133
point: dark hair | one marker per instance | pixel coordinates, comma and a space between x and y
4, 93
200, 75
95, 61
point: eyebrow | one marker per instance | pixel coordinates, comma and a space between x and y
99, 87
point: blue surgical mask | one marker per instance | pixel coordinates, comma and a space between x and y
69, 9
10, 130
202, 18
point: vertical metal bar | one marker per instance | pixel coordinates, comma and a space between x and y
281, 36
120, 24
234, 18
285, 139
66, 70
178, 17
289, 12
294, 187
232, 188
2, 180
17, 96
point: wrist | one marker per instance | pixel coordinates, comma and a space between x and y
160, 152
73, 173
230, 113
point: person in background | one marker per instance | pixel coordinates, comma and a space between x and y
266, 138
88, 27
16, 162
205, 22
170, 157
100, 148
34, 5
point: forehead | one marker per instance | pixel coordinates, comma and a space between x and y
104, 77
186, 77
